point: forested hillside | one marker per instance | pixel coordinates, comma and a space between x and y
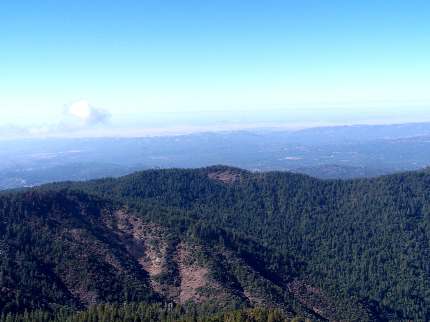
222, 239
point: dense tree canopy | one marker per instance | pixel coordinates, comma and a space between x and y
365, 243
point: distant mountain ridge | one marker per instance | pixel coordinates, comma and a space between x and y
341, 152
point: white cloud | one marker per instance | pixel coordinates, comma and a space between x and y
78, 119
86, 114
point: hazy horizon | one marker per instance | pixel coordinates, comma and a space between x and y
137, 67
101, 123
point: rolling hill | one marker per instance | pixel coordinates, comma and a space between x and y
222, 238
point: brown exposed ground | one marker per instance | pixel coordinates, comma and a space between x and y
193, 277
147, 243
225, 176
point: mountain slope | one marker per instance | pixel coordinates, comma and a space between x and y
62, 248
223, 237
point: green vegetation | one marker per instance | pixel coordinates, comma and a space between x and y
363, 244
149, 313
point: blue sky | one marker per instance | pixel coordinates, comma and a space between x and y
196, 63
